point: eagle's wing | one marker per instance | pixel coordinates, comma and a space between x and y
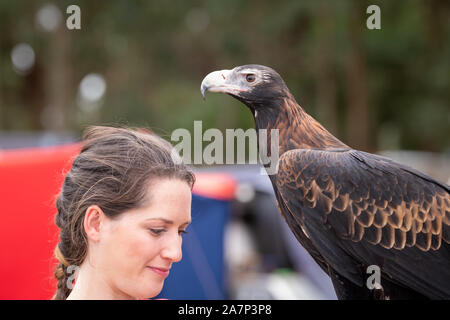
359, 208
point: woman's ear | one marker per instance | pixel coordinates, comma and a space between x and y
92, 223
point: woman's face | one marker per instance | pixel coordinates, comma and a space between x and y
137, 250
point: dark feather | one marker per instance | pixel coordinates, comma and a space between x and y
348, 208
416, 232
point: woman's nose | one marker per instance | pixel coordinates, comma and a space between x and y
172, 249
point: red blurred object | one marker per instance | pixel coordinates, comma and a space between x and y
30, 180
29, 183
219, 186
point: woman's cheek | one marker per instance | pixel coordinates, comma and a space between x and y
130, 245
144, 245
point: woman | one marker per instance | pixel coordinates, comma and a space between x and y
122, 210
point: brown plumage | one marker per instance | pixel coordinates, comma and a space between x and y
349, 209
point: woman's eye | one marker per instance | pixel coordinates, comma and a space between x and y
181, 232
157, 231
250, 77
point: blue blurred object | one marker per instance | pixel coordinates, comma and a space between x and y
201, 274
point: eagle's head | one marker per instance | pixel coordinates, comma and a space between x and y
255, 85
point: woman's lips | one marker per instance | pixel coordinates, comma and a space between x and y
160, 271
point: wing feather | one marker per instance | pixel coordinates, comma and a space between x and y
361, 190
370, 200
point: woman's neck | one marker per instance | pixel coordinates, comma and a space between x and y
91, 285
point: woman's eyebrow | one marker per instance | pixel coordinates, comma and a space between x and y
168, 221
161, 219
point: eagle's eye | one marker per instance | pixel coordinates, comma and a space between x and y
250, 77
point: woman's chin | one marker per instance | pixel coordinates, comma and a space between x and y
150, 291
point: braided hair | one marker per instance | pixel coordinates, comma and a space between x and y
113, 170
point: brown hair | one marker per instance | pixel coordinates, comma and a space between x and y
113, 171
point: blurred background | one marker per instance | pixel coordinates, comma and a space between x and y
140, 63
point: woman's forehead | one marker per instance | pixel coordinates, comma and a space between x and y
168, 200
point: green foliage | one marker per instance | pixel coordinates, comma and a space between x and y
154, 54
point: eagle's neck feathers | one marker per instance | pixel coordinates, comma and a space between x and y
297, 129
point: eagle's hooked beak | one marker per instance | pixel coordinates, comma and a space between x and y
217, 81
